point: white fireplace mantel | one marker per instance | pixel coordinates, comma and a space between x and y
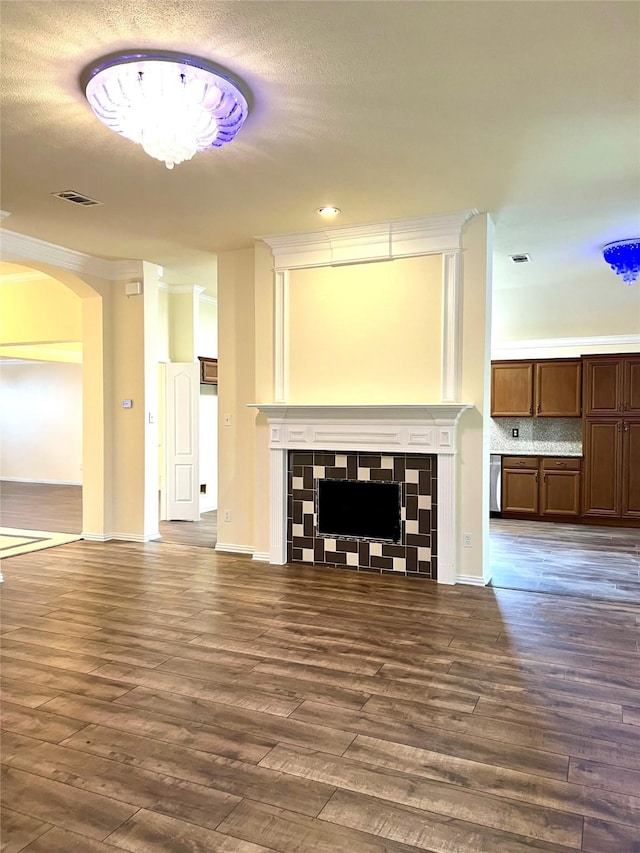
394, 428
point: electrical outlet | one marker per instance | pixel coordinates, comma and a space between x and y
467, 540
227, 515
515, 432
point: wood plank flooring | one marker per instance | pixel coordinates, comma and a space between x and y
573, 559
43, 506
166, 697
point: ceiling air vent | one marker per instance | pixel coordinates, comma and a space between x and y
522, 258
76, 198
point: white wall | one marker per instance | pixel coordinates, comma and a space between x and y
41, 422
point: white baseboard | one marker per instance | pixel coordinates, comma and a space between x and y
229, 548
208, 507
261, 556
40, 481
472, 580
123, 537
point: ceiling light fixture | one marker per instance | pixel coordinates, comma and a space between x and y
328, 211
623, 256
172, 105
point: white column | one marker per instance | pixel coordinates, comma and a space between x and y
447, 533
281, 337
450, 325
278, 507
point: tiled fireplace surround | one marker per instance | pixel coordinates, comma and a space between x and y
415, 554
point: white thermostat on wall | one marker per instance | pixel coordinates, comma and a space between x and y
127, 404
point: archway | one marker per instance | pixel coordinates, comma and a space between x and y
94, 438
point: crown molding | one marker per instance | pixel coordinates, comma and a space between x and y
378, 241
210, 300
20, 247
573, 343
4, 214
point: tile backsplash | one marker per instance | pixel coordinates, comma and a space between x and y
552, 436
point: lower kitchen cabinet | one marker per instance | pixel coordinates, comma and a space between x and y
520, 485
631, 469
560, 493
541, 486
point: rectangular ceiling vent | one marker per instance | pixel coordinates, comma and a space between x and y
522, 258
76, 198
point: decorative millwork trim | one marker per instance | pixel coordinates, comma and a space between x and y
278, 506
472, 580
402, 238
450, 325
542, 343
209, 300
397, 428
4, 214
281, 336
229, 548
21, 247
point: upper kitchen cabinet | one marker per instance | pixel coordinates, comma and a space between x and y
611, 385
208, 370
558, 389
549, 388
511, 388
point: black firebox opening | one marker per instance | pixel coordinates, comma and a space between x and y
361, 509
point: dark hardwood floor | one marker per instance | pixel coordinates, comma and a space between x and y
41, 506
573, 559
167, 697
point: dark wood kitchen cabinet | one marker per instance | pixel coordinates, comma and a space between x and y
560, 487
611, 385
541, 486
612, 468
548, 388
611, 437
511, 389
520, 479
208, 370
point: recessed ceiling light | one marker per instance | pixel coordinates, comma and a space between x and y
328, 211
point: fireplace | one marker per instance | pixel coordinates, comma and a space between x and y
363, 511
410, 444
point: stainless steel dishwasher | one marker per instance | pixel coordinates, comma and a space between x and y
495, 485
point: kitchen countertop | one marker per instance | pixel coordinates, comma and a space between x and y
547, 455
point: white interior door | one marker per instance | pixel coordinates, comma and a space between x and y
181, 482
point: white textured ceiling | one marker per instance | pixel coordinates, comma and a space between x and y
528, 110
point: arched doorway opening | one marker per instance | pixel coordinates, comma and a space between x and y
28, 310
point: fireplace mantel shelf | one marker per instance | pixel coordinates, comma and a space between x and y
439, 414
